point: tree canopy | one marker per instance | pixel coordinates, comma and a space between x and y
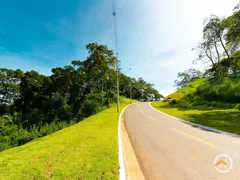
219, 52
33, 105
219, 47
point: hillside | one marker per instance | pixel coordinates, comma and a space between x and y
33, 105
87, 150
207, 103
208, 93
189, 89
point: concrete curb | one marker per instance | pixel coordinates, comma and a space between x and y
198, 125
122, 175
125, 147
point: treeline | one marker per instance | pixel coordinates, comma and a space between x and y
34, 105
219, 50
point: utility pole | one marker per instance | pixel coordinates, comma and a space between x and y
116, 44
131, 92
130, 86
118, 100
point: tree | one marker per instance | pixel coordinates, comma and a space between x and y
186, 77
213, 33
9, 85
33, 105
232, 23
97, 65
232, 35
236, 60
213, 48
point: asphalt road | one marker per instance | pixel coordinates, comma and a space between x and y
168, 149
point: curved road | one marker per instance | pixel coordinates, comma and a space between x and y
168, 149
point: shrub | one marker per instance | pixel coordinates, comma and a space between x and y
172, 101
227, 91
237, 107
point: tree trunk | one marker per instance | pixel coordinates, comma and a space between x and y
217, 51
234, 69
210, 58
224, 47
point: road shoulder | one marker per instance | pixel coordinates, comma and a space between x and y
132, 168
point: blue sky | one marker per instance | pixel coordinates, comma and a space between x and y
155, 36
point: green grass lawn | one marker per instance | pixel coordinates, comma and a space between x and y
226, 120
87, 150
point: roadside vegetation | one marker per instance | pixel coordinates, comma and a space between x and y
33, 105
212, 97
86, 150
192, 107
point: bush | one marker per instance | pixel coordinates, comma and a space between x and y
172, 101
237, 107
228, 91
95, 102
12, 136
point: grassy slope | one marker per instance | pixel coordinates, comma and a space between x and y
191, 88
87, 150
223, 119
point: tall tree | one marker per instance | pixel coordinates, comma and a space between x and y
186, 77
9, 85
232, 23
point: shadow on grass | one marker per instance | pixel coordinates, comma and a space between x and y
226, 121
193, 107
182, 108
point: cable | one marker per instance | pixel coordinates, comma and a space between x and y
115, 25
116, 44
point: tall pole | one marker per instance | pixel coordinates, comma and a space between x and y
118, 100
116, 44
102, 90
130, 86
131, 92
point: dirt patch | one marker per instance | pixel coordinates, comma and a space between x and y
48, 172
37, 157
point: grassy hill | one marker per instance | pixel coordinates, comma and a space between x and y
191, 88
208, 94
87, 150
208, 103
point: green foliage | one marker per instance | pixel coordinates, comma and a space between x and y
12, 135
9, 86
95, 102
87, 150
214, 100
232, 24
220, 44
237, 107
227, 91
184, 78
208, 94
34, 105
187, 90
219, 49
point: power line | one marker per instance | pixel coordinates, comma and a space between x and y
116, 46
115, 25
